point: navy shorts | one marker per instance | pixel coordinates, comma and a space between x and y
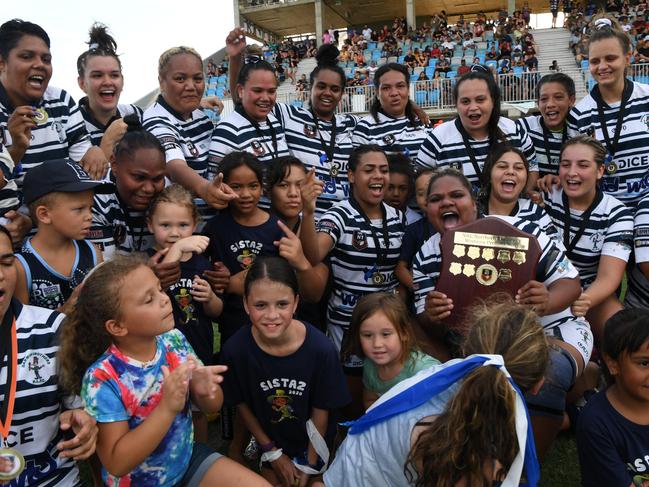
203, 457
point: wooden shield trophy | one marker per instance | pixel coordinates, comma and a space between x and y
482, 258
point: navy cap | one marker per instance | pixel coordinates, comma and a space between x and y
60, 175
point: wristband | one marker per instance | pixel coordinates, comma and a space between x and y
271, 456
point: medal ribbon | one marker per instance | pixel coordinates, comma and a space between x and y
611, 146
273, 134
329, 150
546, 139
381, 253
570, 244
8, 348
469, 149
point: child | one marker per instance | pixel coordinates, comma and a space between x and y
55, 260
141, 374
382, 334
613, 428
286, 175
401, 186
283, 373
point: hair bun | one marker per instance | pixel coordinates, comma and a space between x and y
327, 55
100, 39
132, 122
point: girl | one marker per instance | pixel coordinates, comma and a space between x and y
136, 375
465, 434
613, 431
614, 112
555, 96
101, 79
285, 178
464, 143
381, 333
282, 374
392, 122
555, 288
241, 234
362, 237
183, 129
316, 135
402, 185
596, 229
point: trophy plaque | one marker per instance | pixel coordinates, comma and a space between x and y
482, 258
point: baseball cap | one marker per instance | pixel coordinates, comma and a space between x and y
61, 175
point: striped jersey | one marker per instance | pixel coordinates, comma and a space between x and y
445, 147
117, 229
627, 175
47, 287
395, 135
528, 210
95, 128
9, 196
553, 265
547, 155
637, 294
310, 140
354, 261
34, 430
187, 140
609, 231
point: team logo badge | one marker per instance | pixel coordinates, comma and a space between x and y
388, 139
192, 149
309, 130
59, 131
359, 240
645, 120
36, 367
257, 148
246, 258
487, 274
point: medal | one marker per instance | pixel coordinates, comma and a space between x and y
12, 463
377, 278
40, 116
333, 170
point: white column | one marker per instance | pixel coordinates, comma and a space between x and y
235, 11
411, 19
319, 21
511, 6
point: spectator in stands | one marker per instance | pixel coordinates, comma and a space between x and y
581, 52
505, 50
527, 11
442, 66
367, 33
371, 69
422, 76
554, 66
420, 60
468, 42
435, 50
448, 46
492, 54
302, 87
531, 61
463, 68
410, 60
642, 50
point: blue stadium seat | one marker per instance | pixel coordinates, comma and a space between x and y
371, 45
518, 71
584, 65
430, 71
210, 92
401, 59
420, 97
220, 91
297, 103
432, 62
376, 55
451, 74
492, 63
433, 96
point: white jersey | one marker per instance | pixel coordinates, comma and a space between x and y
95, 128
627, 174
637, 294
445, 147
547, 154
609, 231
34, 430
394, 135
303, 137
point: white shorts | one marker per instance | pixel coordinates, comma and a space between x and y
576, 333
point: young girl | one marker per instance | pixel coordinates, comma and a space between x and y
401, 186
457, 423
596, 229
613, 427
381, 333
136, 375
284, 179
284, 377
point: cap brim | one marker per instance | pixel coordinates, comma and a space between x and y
99, 187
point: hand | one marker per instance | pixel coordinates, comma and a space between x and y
438, 306
175, 386
547, 182
219, 278
95, 163
201, 290
286, 471
421, 114
310, 190
206, 380
212, 103
235, 42
536, 197
216, 193
290, 248
195, 244
20, 125
85, 428
581, 306
18, 226
535, 295
112, 136
167, 272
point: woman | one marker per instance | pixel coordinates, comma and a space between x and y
183, 130
551, 293
465, 142
101, 79
392, 122
614, 112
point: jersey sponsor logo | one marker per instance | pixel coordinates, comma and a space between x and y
596, 239
635, 186
641, 243
349, 299
642, 232
36, 367
359, 240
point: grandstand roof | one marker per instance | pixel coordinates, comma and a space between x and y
297, 16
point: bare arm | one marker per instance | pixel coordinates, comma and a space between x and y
404, 275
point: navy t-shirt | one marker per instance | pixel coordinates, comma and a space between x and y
189, 315
281, 391
416, 234
613, 451
238, 246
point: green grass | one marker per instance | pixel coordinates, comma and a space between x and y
561, 467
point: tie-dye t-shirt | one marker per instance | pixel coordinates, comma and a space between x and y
118, 388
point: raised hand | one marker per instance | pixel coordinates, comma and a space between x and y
438, 306
206, 380
310, 190
535, 295
217, 194
235, 42
219, 278
20, 125
167, 272
201, 290
195, 244
290, 248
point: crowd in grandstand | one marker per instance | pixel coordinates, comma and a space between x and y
283, 268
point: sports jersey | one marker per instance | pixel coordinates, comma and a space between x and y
309, 142
553, 265
47, 287
627, 175
637, 294
9, 196
34, 430
528, 210
117, 229
445, 147
187, 140
394, 135
356, 266
119, 388
609, 231
546, 146
95, 128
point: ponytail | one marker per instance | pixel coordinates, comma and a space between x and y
100, 43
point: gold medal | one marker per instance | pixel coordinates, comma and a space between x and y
333, 170
13, 463
377, 278
40, 116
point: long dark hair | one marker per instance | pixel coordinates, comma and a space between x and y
494, 91
495, 154
376, 104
